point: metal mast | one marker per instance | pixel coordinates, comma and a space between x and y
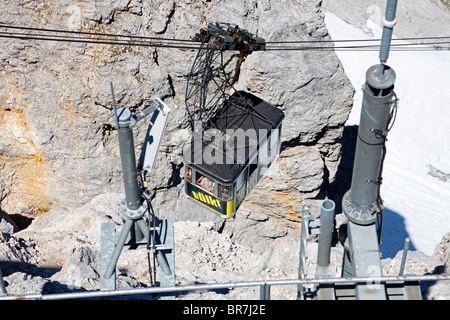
135, 233
362, 204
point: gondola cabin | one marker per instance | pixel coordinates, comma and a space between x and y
226, 159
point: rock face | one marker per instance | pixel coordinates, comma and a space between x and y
59, 254
59, 144
56, 253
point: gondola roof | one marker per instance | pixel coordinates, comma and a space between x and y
242, 112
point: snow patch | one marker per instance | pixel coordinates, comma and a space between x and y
417, 205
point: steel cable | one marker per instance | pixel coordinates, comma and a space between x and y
39, 34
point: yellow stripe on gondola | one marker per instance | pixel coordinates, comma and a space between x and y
230, 209
210, 201
205, 205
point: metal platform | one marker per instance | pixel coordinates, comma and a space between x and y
395, 290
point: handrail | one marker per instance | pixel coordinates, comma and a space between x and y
261, 283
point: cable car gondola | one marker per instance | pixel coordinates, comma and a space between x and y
225, 162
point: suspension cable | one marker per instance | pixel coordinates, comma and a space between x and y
29, 33
358, 40
89, 33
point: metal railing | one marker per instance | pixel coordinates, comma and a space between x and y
264, 285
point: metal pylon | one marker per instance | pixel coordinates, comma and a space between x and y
112, 244
136, 233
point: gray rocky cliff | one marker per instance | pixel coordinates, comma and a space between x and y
60, 252
59, 144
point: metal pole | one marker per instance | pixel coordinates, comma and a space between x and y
362, 203
323, 268
405, 253
389, 23
128, 158
135, 229
326, 233
215, 286
264, 291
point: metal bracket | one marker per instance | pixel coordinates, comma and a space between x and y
132, 214
356, 214
314, 226
110, 246
158, 122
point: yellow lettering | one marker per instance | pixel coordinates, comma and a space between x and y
202, 197
206, 198
214, 202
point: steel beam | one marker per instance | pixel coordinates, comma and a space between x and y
365, 258
215, 286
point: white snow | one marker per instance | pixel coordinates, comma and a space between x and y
417, 205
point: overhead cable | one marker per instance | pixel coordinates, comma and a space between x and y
29, 33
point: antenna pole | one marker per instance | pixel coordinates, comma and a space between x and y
389, 22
